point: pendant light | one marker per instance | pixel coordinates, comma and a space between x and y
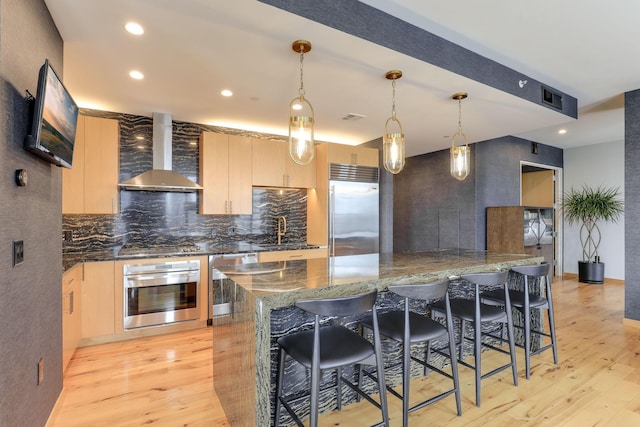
301, 144
393, 141
461, 154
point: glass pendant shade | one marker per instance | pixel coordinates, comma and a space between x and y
461, 154
301, 117
460, 161
301, 145
393, 141
393, 148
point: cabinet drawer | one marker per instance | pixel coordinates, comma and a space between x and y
291, 255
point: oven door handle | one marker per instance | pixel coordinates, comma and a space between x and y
144, 281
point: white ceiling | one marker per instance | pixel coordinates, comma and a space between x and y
192, 49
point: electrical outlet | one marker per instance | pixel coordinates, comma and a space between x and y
68, 236
232, 231
40, 371
18, 252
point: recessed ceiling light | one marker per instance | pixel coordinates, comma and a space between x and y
562, 131
134, 28
226, 92
135, 74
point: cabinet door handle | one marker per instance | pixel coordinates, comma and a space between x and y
226, 206
231, 206
71, 305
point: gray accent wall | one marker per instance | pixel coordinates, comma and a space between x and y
432, 210
632, 204
30, 293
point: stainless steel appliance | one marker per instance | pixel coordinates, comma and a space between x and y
161, 293
353, 210
220, 287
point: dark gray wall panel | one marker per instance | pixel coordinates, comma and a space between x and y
366, 22
30, 293
428, 203
632, 204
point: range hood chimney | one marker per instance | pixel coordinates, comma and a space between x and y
161, 177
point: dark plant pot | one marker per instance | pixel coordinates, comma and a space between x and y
591, 272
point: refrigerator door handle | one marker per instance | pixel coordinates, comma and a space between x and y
332, 219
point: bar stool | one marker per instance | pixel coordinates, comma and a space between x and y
331, 347
477, 313
407, 327
526, 300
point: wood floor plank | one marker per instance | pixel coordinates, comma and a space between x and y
167, 380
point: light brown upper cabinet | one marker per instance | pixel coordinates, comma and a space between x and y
352, 155
91, 185
537, 188
272, 167
225, 174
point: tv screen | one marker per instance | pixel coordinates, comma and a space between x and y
55, 117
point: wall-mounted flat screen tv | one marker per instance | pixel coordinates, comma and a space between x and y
55, 117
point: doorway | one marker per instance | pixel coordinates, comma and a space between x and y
541, 190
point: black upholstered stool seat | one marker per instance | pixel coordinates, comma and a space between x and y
339, 346
465, 309
421, 328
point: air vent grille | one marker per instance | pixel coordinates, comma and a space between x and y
342, 172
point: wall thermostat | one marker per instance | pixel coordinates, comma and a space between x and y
21, 177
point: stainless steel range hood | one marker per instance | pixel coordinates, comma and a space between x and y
161, 177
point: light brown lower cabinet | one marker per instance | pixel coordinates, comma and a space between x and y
98, 299
71, 312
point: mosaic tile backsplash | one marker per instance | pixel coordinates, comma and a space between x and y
147, 216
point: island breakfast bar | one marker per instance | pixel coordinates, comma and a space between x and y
264, 293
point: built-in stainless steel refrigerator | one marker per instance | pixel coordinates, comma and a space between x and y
353, 210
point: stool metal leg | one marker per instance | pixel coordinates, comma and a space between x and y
552, 322
512, 341
279, 380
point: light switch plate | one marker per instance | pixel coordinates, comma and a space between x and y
18, 252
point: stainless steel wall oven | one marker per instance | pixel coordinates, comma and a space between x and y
161, 293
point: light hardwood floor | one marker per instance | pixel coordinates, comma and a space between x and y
167, 380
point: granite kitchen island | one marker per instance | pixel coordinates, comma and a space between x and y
244, 342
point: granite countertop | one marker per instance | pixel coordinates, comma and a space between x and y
69, 259
279, 284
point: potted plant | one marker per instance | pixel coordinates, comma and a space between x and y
588, 206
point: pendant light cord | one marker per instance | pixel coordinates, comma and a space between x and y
393, 99
301, 90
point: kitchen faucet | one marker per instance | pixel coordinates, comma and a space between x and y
282, 228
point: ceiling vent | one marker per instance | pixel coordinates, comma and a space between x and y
354, 116
551, 98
